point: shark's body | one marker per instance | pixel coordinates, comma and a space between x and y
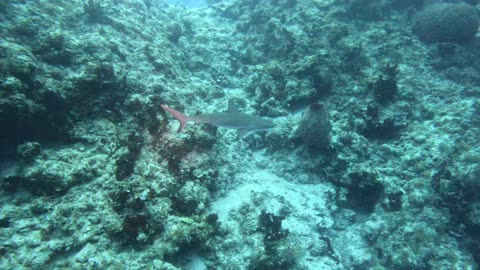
232, 118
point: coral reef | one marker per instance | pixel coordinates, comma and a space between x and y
373, 162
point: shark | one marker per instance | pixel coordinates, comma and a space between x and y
232, 118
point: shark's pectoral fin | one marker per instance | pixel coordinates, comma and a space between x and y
242, 132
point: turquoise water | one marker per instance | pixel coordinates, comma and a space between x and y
372, 161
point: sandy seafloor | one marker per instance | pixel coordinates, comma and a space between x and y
94, 175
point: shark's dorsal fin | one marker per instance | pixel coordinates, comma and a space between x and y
232, 106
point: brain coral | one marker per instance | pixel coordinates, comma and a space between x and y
447, 23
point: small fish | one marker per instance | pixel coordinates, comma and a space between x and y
232, 118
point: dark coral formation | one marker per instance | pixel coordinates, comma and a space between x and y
447, 23
271, 226
138, 225
380, 125
133, 225
126, 162
184, 206
364, 191
330, 251
385, 86
95, 12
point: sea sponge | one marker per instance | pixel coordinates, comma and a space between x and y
447, 23
315, 127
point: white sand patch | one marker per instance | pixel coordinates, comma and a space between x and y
304, 205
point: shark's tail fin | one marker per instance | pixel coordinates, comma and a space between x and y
182, 118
